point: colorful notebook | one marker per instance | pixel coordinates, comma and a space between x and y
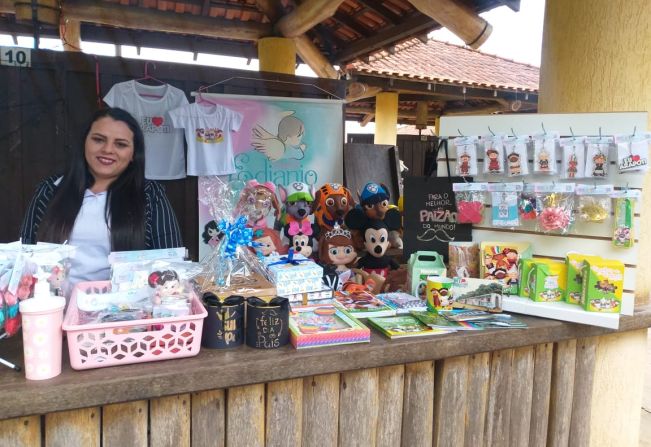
403, 326
362, 304
402, 302
436, 321
324, 325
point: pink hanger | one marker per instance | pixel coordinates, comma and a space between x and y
148, 77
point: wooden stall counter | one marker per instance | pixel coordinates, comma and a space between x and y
504, 383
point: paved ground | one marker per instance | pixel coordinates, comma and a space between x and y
645, 428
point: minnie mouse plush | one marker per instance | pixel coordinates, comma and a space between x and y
376, 240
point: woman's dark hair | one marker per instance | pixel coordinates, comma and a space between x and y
125, 202
212, 225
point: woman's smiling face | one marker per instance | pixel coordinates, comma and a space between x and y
108, 150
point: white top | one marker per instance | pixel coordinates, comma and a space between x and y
92, 237
164, 153
208, 130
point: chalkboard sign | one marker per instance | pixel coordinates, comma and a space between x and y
267, 324
430, 214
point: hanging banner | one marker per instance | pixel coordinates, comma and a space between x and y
280, 140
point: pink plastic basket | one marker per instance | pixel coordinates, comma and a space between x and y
108, 344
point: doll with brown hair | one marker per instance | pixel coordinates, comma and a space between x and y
336, 248
257, 201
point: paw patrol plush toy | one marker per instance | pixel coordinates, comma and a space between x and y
257, 201
374, 202
333, 201
376, 241
297, 199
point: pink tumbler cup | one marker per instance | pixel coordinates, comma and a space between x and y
42, 336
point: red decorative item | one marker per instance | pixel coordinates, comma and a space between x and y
470, 212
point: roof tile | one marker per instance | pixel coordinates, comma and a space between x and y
441, 61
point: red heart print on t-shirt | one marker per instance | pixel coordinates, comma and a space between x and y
157, 121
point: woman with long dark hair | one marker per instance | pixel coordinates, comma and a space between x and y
103, 202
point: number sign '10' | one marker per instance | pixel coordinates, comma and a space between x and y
18, 57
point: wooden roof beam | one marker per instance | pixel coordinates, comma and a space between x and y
153, 20
306, 15
381, 10
458, 18
305, 48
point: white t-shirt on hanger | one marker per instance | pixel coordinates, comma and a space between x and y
164, 154
208, 130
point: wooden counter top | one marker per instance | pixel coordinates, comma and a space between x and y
214, 369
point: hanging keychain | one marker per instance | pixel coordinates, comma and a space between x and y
596, 162
504, 203
572, 158
528, 205
470, 199
493, 154
594, 203
624, 217
544, 153
633, 153
517, 163
466, 156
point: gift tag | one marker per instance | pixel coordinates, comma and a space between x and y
624, 217
544, 153
517, 163
573, 158
596, 162
466, 156
470, 200
493, 154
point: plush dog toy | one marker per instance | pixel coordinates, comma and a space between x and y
374, 202
333, 202
376, 240
298, 199
256, 201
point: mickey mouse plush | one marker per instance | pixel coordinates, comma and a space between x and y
301, 243
376, 240
374, 201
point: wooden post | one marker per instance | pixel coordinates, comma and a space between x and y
306, 15
70, 34
421, 114
386, 118
613, 78
277, 55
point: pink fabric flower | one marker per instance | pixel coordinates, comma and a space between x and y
469, 212
554, 218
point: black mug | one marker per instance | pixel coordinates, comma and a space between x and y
267, 323
224, 325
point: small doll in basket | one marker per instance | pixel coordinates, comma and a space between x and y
257, 201
167, 285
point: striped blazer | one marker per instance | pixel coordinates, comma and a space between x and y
161, 226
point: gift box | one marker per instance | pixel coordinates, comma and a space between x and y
603, 283
294, 274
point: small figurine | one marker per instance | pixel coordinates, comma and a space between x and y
599, 161
333, 201
514, 164
298, 199
257, 200
572, 166
167, 285
493, 161
464, 166
543, 160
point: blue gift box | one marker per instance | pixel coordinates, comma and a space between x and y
295, 274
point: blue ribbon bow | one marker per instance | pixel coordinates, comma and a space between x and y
235, 234
289, 259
